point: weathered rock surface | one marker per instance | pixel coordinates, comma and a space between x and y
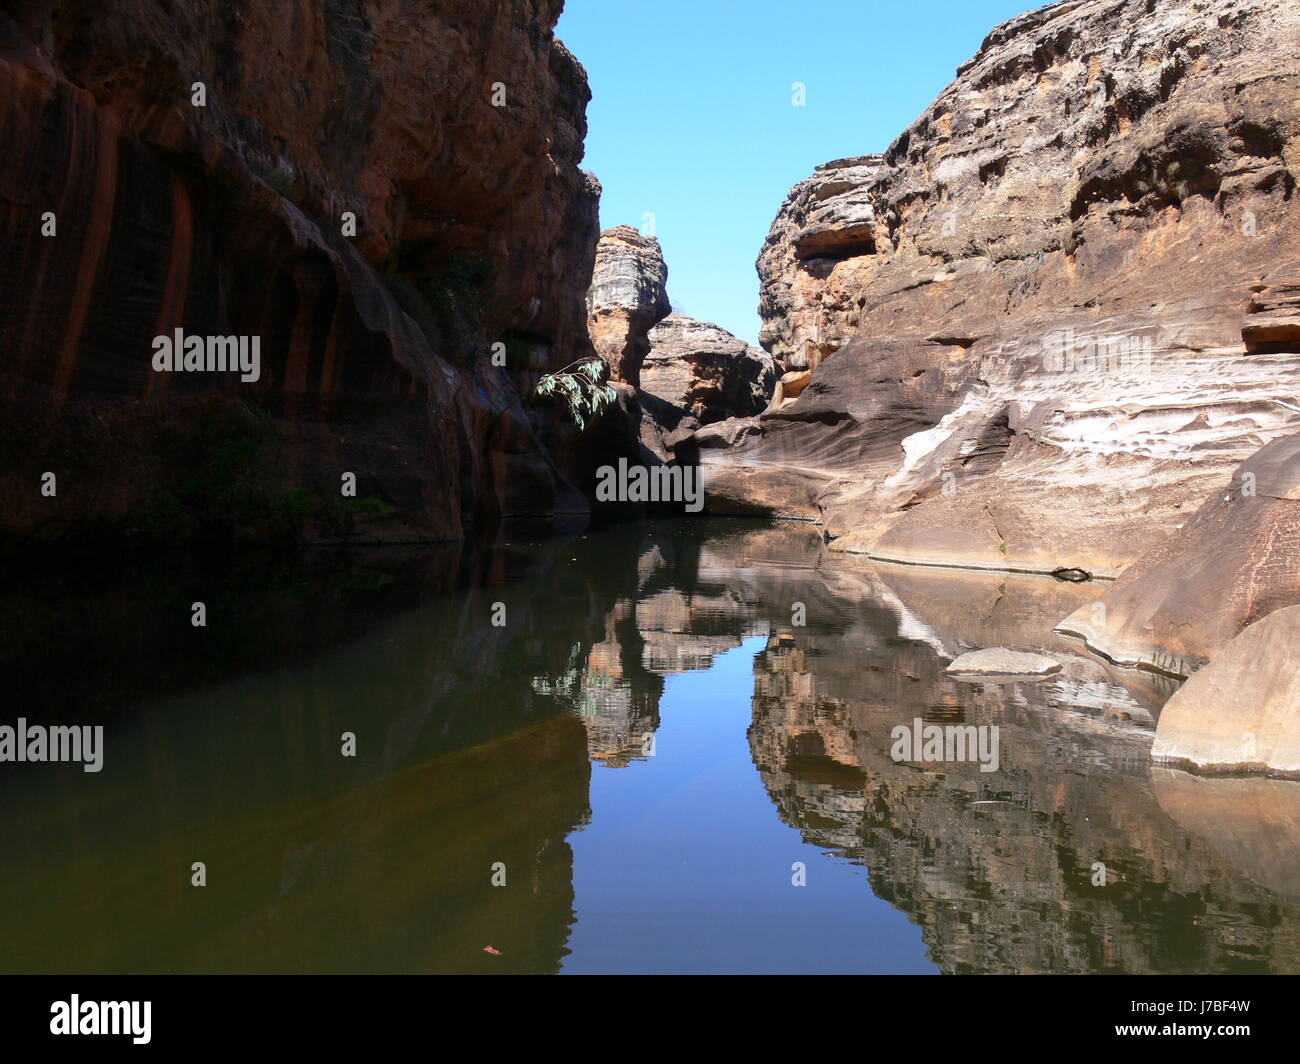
820, 253
680, 373
1241, 713
1026, 326
626, 299
1236, 560
999, 661
706, 371
474, 224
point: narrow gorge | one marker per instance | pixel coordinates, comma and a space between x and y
1026, 380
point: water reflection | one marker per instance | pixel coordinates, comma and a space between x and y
476, 742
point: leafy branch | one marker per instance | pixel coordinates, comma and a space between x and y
583, 386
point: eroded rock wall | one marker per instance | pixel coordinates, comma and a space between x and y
706, 371
474, 225
1022, 337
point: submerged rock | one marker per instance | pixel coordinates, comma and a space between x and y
999, 661
1241, 713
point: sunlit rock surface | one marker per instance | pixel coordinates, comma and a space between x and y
1236, 560
1241, 713
1051, 318
706, 371
998, 661
626, 299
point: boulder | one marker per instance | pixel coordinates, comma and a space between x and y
999, 661
1236, 560
703, 369
1241, 712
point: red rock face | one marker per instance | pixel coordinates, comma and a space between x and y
474, 225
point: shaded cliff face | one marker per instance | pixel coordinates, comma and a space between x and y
1027, 322
473, 225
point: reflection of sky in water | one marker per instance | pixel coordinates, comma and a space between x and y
685, 866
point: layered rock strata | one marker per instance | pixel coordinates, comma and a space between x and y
673, 374
627, 298
706, 371
1051, 317
1232, 563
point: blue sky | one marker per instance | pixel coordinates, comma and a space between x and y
691, 118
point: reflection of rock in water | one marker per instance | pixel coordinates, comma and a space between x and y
1254, 823
998, 868
618, 705
315, 862
671, 621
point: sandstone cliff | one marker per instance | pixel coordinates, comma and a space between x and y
672, 373
198, 161
706, 371
1232, 563
626, 299
1040, 328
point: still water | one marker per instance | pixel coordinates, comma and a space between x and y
668, 772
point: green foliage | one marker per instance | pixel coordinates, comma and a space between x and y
220, 484
583, 387
458, 297
289, 511
365, 582
233, 489
370, 506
